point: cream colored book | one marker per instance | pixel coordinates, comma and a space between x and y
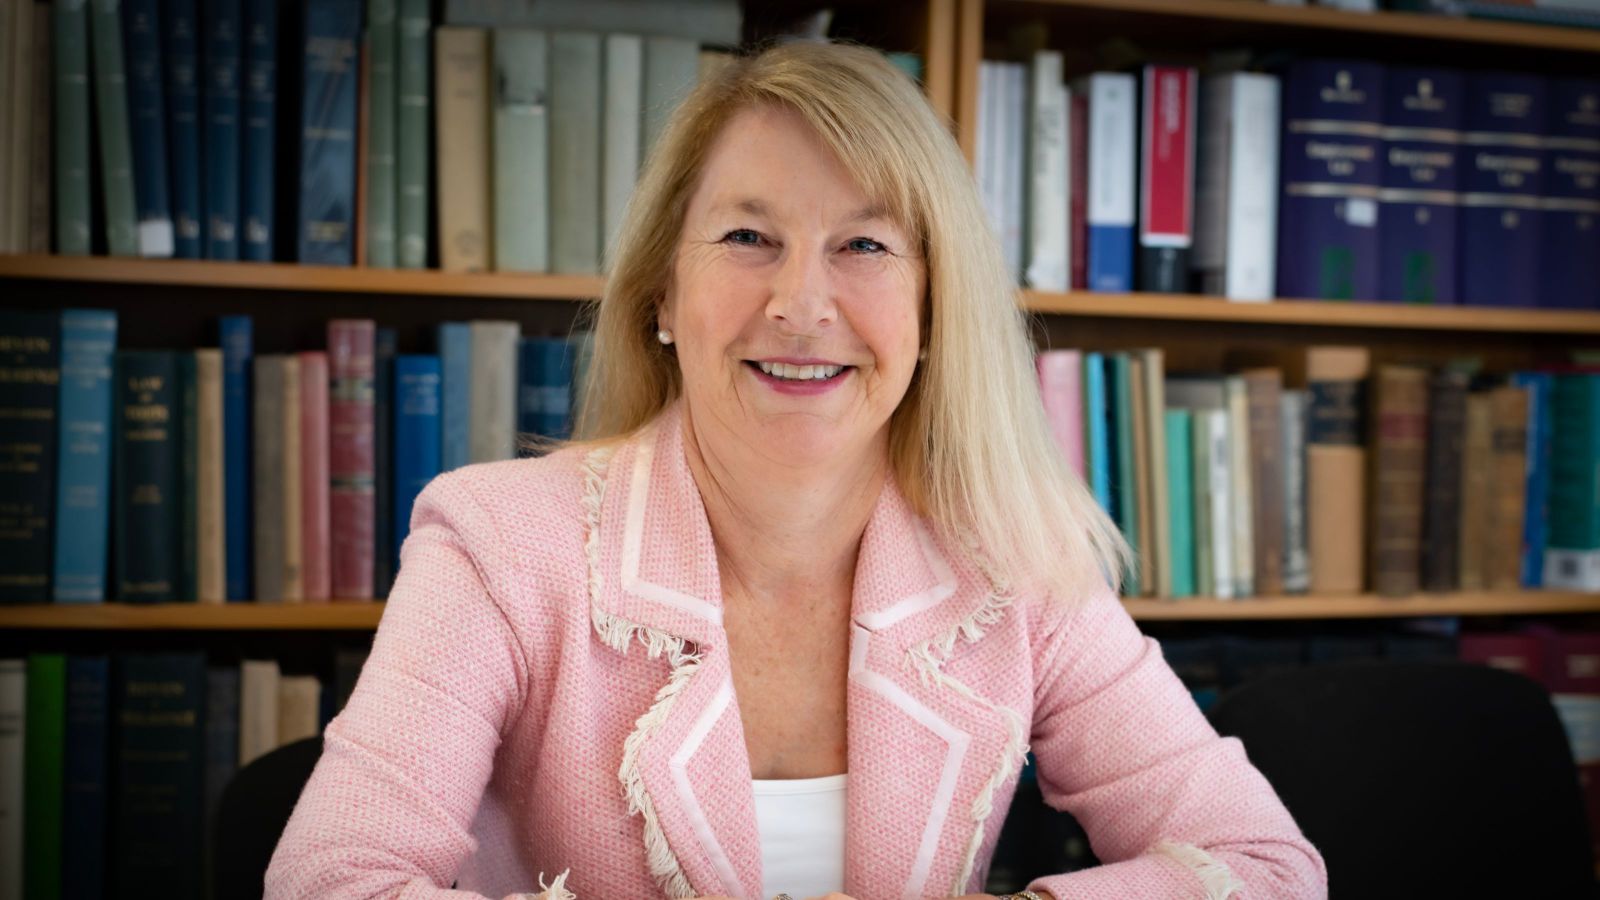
492, 400
1155, 470
299, 708
258, 708
1244, 557
211, 564
461, 63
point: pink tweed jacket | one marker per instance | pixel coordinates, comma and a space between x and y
548, 710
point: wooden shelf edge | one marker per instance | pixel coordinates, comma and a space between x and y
1364, 606
296, 277
337, 616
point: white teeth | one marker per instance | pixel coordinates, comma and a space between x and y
800, 373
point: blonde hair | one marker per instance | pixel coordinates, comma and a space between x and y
969, 443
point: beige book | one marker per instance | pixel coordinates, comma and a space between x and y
210, 518
1154, 413
1336, 460
492, 394
299, 708
294, 586
258, 708
1477, 469
1141, 478
1240, 478
461, 60
1508, 441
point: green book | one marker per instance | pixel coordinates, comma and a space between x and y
70, 46
575, 157
382, 37
1180, 488
413, 115
521, 184
44, 737
116, 152
1123, 410
1205, 581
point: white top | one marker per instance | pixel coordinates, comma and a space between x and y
801, 822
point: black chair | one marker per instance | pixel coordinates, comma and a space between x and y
251, 815
1421, 779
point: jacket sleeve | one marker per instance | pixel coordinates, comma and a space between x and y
1170, 808
388, 809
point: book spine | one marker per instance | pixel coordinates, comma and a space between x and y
1235, 242
1098, 447
1166, 178
521, 150
30, 375
411, 133
223, 54
624, 97
44, 740
291, 484
1328, 212
268, 507
116, 152
159, 752
1418, 199
350, 455
85, 773
238, 342
1569, 269
1219, 434
1205, 583
1123, 490
13, 715
259, 107
1541, 427
83, 498
181, 25
1143, 492
384, 352
1336, 460
1502, 180
1296, 552
1264, 393
17, 115
71, 126
671, 68
1181, 487
1013, 165
418, 382
209, 501
530, 389
556, 382
328, 135
36, 228
1441, 511
1477, 458
1508, 412
1061, 388
148, 126
1078, 185
1241, 482
382, 39
455, 399
315, 528
575, 152
493, 416
258, 708
1155, 472
188, 478
1048, 251
1400, 423
1112, 188
461, 56
1574, 537
222, 742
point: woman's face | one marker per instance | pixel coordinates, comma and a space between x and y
795, 305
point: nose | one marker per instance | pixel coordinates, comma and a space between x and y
802, 294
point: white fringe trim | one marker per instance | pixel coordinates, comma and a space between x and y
618, 634
1215, 877
555, 890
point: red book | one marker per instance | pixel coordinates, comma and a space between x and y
1078, 193
1517, 653
1166, 178
315, 526
350, 463
1572, 662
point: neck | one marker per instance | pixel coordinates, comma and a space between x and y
784, 531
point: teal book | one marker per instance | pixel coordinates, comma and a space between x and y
44, 739
116, 145
414, 113
383, 36
575, 157
1572, 551
70, 57
521, 183
328, 133
1124, 491
83, 490
1180, 487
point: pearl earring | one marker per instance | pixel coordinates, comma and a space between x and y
664, 336
923, 355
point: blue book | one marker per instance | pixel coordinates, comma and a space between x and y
1536, 508
455, 395
417, 389
1569, 266
556, 382
238, 351
1328, 213
222, 738
384, 345
1113, 152
260, 109
181, 23
1502, 181
83, 491
223, 53
328, 136
530, 389
1417, 203
147, 124
159, 703
1094, 396
84, 764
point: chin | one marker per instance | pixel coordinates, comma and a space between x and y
801, 439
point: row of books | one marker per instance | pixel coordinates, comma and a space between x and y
220, 474
1331, 179
112, 768
1307, 470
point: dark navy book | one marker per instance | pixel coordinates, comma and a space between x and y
556, 382
223, 55
1502, 183
332, 39
147, 124
222, 737
383, 561
148, 477
30, 387
259, 106
1328, 215
83, 763
159, 701
1417, 203
238, 352
181, 23
417, 387
1569, 265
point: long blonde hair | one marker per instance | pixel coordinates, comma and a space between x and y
969, 444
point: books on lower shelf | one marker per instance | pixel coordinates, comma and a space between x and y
222, 474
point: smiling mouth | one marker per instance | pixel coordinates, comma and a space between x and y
787, 372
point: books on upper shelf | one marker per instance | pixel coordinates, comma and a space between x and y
225, 474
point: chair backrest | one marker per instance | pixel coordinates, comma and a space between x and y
1421, 779
254, 808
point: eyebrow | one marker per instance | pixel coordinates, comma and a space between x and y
756, 207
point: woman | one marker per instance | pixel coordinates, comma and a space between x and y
790, 618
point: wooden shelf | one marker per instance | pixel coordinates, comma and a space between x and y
1190, 307
1365, 606
296, 277
338, 616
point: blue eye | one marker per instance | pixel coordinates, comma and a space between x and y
872, 246
742, 236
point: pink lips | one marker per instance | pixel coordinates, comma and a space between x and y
809, 388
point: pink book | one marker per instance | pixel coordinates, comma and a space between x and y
315, 527
1061, 387
350, 462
